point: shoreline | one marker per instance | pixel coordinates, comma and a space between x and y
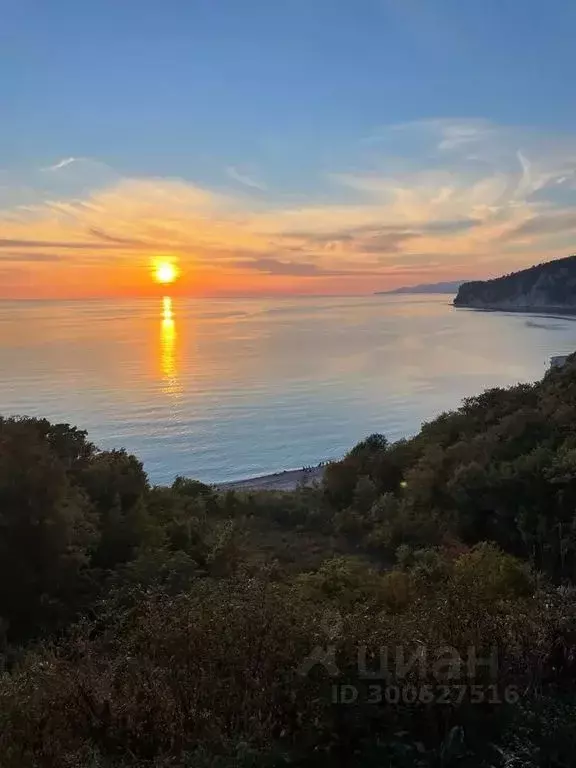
287, 480
546, 311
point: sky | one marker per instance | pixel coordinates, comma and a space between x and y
297, 146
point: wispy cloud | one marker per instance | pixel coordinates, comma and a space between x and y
244, 178
58, 244
553, 223
277, 267
61, 164
272, 266
29, 256
445, 199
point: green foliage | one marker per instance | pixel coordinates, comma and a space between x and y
494, 574
47, 526
370, 461
553, 283
192, 488
116, 484
344, 580
169, 626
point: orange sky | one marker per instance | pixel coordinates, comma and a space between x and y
46, 282
370, 230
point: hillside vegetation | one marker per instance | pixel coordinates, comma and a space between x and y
181, 626
550, 286
451, 286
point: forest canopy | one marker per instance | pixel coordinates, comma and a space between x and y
186, 625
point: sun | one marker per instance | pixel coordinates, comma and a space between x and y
165, 272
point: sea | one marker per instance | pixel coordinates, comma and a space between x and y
225, 389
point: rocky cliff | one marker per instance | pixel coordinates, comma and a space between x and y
549, 287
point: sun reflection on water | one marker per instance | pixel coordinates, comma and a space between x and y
168, 338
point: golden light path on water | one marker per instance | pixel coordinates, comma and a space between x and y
168, 357
225, 389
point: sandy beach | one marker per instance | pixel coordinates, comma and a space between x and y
288, 480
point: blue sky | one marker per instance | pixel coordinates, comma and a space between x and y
276, 99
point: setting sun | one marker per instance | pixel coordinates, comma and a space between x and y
165, 272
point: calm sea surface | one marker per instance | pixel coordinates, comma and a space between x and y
225, 389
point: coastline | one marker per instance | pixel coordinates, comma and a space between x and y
288, 480
546, 310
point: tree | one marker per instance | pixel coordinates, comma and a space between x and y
46, 530
117, 486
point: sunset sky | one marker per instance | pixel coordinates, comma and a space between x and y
302, 146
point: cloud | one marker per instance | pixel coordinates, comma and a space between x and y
459, 225
462, 133
437, 134
244, 178
29, 256
439, 198
555, 223
276, 267
61, 164
116, 240
362, 239
71, 178
60, 244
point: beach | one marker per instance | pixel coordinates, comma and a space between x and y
288, 480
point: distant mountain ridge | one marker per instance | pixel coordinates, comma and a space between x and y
547, 287
447, 287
